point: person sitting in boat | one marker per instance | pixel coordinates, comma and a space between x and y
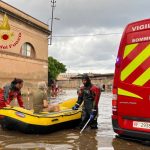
10, 92
40, 102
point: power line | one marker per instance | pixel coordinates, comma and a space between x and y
83, 35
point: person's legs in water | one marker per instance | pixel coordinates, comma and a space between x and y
85, 118
93, 123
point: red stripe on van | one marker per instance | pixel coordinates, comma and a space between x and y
133, 54
135, 74
147, 84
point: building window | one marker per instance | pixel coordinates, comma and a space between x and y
27, 50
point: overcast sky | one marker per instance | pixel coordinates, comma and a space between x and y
86, 17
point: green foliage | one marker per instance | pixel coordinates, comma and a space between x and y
55, 68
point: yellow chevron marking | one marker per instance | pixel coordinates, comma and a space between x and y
135, 63
128, 49
143, 78
127, 93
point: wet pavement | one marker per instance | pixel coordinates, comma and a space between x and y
71, 139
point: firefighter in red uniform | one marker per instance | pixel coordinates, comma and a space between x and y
89, 94
9, 92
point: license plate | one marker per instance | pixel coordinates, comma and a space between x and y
143, 125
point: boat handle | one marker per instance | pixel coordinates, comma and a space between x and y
54, 120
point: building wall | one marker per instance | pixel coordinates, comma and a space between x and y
24, 33
30, 70
76, 83
12, 63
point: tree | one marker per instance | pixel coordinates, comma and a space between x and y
55, 68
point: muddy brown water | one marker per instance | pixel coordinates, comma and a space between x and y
71, 139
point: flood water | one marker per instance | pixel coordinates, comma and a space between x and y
101, 139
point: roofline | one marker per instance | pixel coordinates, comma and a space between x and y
93, 76
30, 23
23, 12
26, 21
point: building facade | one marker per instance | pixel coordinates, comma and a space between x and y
75, 81
23, 47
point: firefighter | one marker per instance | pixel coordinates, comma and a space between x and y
10, 92
89, 94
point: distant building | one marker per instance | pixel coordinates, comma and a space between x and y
74, 80
66, 76
23, 47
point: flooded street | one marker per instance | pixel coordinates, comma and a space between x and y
101, 139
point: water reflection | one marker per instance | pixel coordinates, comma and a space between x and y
63, 140
87, 141
119, 144
101, 139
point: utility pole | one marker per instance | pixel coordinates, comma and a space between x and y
53, 6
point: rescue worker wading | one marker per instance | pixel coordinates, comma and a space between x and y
89, 94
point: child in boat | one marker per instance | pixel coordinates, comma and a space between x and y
40, 102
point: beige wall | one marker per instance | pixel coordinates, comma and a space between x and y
12, 63
76, 83
31, 71
24, 33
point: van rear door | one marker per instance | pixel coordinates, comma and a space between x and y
134, 82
